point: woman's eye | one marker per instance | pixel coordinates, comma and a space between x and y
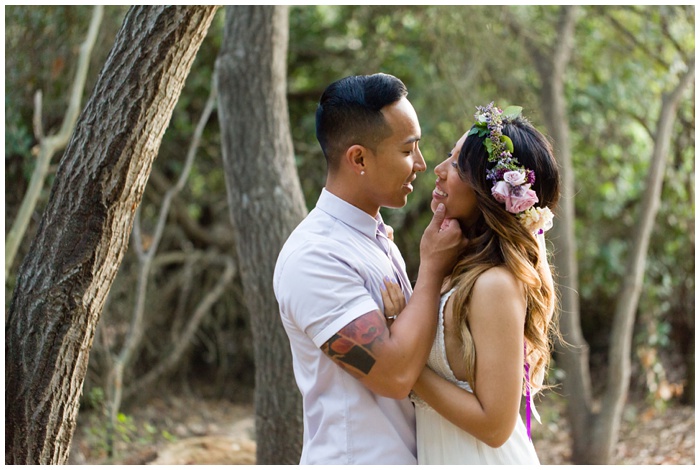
454, 164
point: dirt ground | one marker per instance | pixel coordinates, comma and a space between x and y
179, 430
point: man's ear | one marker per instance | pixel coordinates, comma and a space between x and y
355, 158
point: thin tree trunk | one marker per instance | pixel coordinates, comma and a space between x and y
607, 423
595, 432
83, 234
266, 203
572, 357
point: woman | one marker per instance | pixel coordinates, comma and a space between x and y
495, 318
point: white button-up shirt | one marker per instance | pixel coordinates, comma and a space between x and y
328, 274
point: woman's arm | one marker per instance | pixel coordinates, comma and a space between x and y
496, 319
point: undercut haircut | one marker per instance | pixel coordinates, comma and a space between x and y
349, 113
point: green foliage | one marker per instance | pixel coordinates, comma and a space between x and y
18, 136
105, 440
615, 98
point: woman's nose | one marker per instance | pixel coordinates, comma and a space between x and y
440, 169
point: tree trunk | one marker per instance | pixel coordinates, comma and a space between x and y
551, 67
595, 432
84, 231
605, 431
266, 203
572, 357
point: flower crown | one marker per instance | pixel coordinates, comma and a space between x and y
511, 180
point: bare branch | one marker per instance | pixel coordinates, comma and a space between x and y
219, 235
632, 38
194, 145
36, 121
185, 339
146, 256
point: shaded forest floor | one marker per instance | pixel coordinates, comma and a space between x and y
187, 430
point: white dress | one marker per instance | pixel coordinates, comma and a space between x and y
441, 442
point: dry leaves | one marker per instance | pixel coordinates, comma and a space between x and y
220, 432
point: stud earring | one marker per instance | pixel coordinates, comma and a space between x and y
362, 172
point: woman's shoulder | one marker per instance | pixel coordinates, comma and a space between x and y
498, 279
497, 293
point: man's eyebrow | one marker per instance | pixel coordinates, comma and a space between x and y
411, 140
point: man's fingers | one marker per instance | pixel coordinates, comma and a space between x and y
438, 216
389, 232
445, 224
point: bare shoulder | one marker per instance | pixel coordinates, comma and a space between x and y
498, 292
498, 280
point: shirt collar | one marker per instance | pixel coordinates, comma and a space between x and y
349, 214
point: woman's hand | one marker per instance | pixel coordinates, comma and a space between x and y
389, 232
394, 300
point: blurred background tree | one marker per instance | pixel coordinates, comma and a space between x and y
452, 59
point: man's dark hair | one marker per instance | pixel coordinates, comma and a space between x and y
349, 113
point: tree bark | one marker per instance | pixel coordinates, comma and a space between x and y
266, 203
84, 231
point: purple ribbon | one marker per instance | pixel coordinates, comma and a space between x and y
527, 393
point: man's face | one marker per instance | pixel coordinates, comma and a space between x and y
392, 166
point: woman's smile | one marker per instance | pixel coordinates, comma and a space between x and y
438, 193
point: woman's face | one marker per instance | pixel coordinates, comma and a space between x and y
457, 195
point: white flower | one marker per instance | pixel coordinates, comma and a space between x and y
514, 178
536, 219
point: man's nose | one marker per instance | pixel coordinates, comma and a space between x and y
419, 164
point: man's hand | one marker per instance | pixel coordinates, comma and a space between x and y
441, 245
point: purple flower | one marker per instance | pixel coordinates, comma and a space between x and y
530, 177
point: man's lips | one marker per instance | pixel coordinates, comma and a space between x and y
409, 184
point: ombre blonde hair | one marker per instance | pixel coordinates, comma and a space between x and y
498, 239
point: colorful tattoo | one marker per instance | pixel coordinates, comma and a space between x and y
351, 347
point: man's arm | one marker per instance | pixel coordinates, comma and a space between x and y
388, 360
355, 347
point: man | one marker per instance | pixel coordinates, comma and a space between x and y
354, 371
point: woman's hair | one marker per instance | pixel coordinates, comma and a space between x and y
499, 239
350, 112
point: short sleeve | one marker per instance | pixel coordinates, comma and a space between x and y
322, 291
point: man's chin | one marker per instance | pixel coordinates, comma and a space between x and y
397, 204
